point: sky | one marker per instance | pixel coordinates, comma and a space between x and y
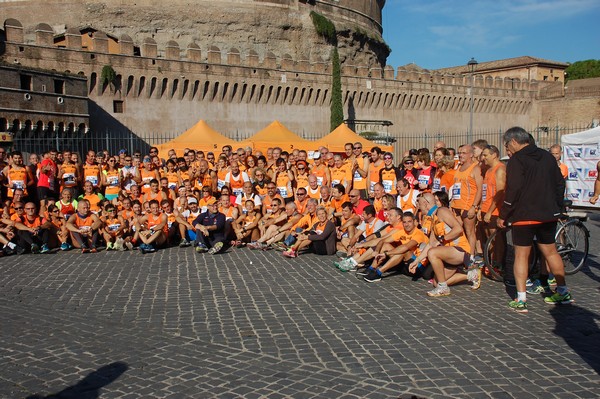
443, 33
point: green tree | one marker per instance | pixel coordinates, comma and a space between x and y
337, 108
583, 69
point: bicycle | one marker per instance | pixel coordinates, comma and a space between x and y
572, 244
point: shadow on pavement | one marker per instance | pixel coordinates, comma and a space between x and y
89, 387
577, 326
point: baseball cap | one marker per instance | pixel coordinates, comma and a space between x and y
211, 201
316, 155
192, 200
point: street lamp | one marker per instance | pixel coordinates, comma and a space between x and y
471, 64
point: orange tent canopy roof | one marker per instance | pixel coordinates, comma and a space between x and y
335, 140
199, 137
277, 135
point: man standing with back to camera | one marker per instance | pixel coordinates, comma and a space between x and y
534, 199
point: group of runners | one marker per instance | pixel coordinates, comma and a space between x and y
427, 215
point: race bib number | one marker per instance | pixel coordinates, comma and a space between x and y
357, 176
372, 186
456, 191
424, 179
484, 193
114, 227
320, 181
113, 181
334, 182
437, 184
92, 179
237, 191
69, 179
387, 185
18, 184
283, 191
220, 184
172, 185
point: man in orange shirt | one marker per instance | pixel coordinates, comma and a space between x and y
466, 194
408, 246
556, 151
33, 231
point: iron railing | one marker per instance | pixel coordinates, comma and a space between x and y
113, 141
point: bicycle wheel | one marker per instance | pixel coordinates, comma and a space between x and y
495, 256
572, 243
499, 256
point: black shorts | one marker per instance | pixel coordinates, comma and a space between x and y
544, 233
44, 193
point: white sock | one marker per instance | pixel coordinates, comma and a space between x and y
11, 245
522, 296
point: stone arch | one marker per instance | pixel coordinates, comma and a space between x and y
184, 88
93, 82
215, 91
130, 85
195, 88
142, 86
174, 88
163, 87
16, 126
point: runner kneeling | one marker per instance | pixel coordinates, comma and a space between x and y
448, 249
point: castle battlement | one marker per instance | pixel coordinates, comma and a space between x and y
169, 87
146, 56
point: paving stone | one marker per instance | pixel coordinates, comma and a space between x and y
189, 325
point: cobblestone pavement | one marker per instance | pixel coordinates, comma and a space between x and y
248, 324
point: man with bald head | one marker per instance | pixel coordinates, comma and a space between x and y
357, 202
439, 144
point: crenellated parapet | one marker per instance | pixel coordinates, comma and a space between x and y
202, 73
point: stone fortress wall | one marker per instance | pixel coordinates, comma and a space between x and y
242, 93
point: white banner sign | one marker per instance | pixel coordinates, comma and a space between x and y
582, 160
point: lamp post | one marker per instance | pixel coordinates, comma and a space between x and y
471, 64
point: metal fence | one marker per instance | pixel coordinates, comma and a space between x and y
113, 141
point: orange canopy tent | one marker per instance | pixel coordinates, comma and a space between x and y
335, 140
199, 137
277, 135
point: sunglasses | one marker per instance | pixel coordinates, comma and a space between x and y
357, 148
388, 158
408, 163
353, 196
18, 208
300, 193
301, 168
30, 209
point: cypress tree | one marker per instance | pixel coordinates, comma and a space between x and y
337, 108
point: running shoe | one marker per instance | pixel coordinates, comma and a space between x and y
518, 306
18, 250
35, 249
184, 243
290, 253
129, 245
362, 271
216, 249
93, 250
551, 281
119, 244
341, 254
529, 283
85, 250
558, 299
475, 278
44, 249
538, 288
201, 248
372, 277
64, 246
110, 246
439, 291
